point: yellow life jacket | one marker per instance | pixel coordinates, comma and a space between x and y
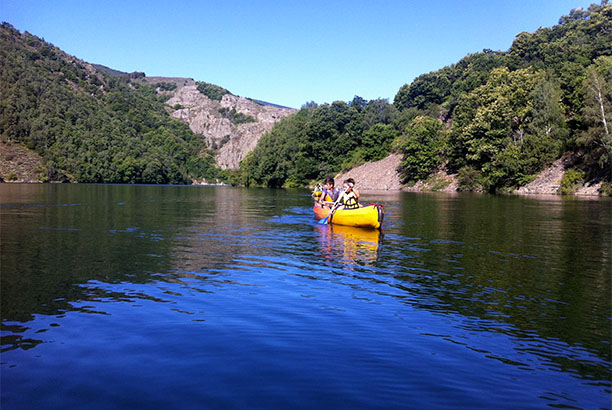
350, 201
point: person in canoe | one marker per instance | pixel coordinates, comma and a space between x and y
350, 195
329, 194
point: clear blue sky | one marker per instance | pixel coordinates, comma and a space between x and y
284, 52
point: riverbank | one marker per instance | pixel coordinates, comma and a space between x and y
383, 175
20, 165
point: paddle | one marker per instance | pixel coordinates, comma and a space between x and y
325, 220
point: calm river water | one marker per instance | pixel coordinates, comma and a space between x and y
197, 297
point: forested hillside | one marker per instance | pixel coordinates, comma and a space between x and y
495, 117
321, 140
87, 125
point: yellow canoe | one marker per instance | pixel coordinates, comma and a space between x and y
370, 216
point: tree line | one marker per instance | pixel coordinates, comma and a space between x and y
320, 140
496, 117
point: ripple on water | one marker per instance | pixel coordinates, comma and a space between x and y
167, 300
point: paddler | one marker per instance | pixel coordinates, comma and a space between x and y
350, 195
329, 194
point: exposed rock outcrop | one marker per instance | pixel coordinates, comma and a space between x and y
232, 139
383, 175
439, 181
19, 164
549, 180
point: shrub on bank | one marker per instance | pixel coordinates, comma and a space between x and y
571, 181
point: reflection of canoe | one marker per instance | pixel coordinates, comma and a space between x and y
365, 236
349, 244
370, 216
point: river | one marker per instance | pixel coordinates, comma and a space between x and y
182, 297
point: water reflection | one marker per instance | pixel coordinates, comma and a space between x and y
349, 245
524, 274
520, 287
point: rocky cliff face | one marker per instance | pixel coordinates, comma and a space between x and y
231, 136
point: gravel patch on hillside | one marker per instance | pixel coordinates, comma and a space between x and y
18, 164
547, 182
375, 176
383, 176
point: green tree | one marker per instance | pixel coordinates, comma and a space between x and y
422, 146
87, 125
597, 110
377, 141
320, 140
548, 116
508, 118
214, 92
546, 130
490, 124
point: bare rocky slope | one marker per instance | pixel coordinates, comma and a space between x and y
19, 164
382, 175
547, 182
231, 140
375, 176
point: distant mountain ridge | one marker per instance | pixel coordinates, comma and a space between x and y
232, 140
110, 71
91, 123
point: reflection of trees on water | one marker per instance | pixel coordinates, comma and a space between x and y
67, 246
534, 269
55, 238
62, 243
